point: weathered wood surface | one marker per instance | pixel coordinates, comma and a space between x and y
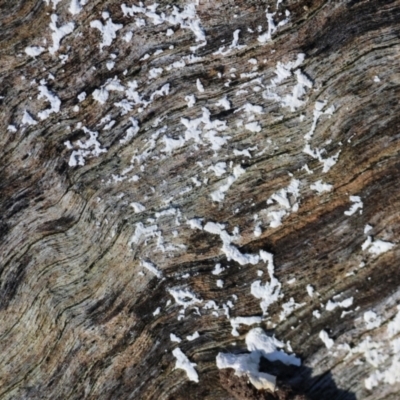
77, 304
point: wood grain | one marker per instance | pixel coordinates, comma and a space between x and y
77, 306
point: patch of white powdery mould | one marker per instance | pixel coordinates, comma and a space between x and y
376, 247
82, 150
108, 30
199, 131
59, 32
152, 268
283, 72
321, 187
54, 101
283, 203
101, 95
270, 292
75, 6
272, 26
357, 205
219, 194
231, 251
328, 342
247, 364
182, 362
383, 356
186, 19
316, 153
34, 51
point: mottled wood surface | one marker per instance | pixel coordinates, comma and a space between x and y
76, 304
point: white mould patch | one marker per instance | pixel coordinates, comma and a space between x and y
155, 73
328, 342
108, 30
54, 101
346, 303
131, 132
182, 362
75, 7
254, 127
34, 51
152, 268
191, 100
376, 247
247, 364
310, 290
224, 102
174, 338
184, 297
81, 96
231, 252
219, 168
187, 19
321, 187
217, 269
219, 194
12, 128
237, 321
270, 292
59, 32
283, 202
357, 205
89, 148
288, 308
27, 119
200, 86
372, 320
192, 337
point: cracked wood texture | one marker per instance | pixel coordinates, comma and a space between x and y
87, 277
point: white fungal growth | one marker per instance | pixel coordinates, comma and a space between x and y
219, 194
182, 362
231, 252
283, 202
184, 297
152, 268
331, 305
108, 30
247, 364
191, 100
224, 102
59, 33
372, 320
55, 2
270, 292
376, 247
34, 51
27, 119
321, 187
100, 95
195, 335
175, 338
237, 321
379, 246
75, 6
200, 86
328, 342
54, 101
131, 132
89, 148
357, 205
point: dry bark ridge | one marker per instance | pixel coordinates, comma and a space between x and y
81, 279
